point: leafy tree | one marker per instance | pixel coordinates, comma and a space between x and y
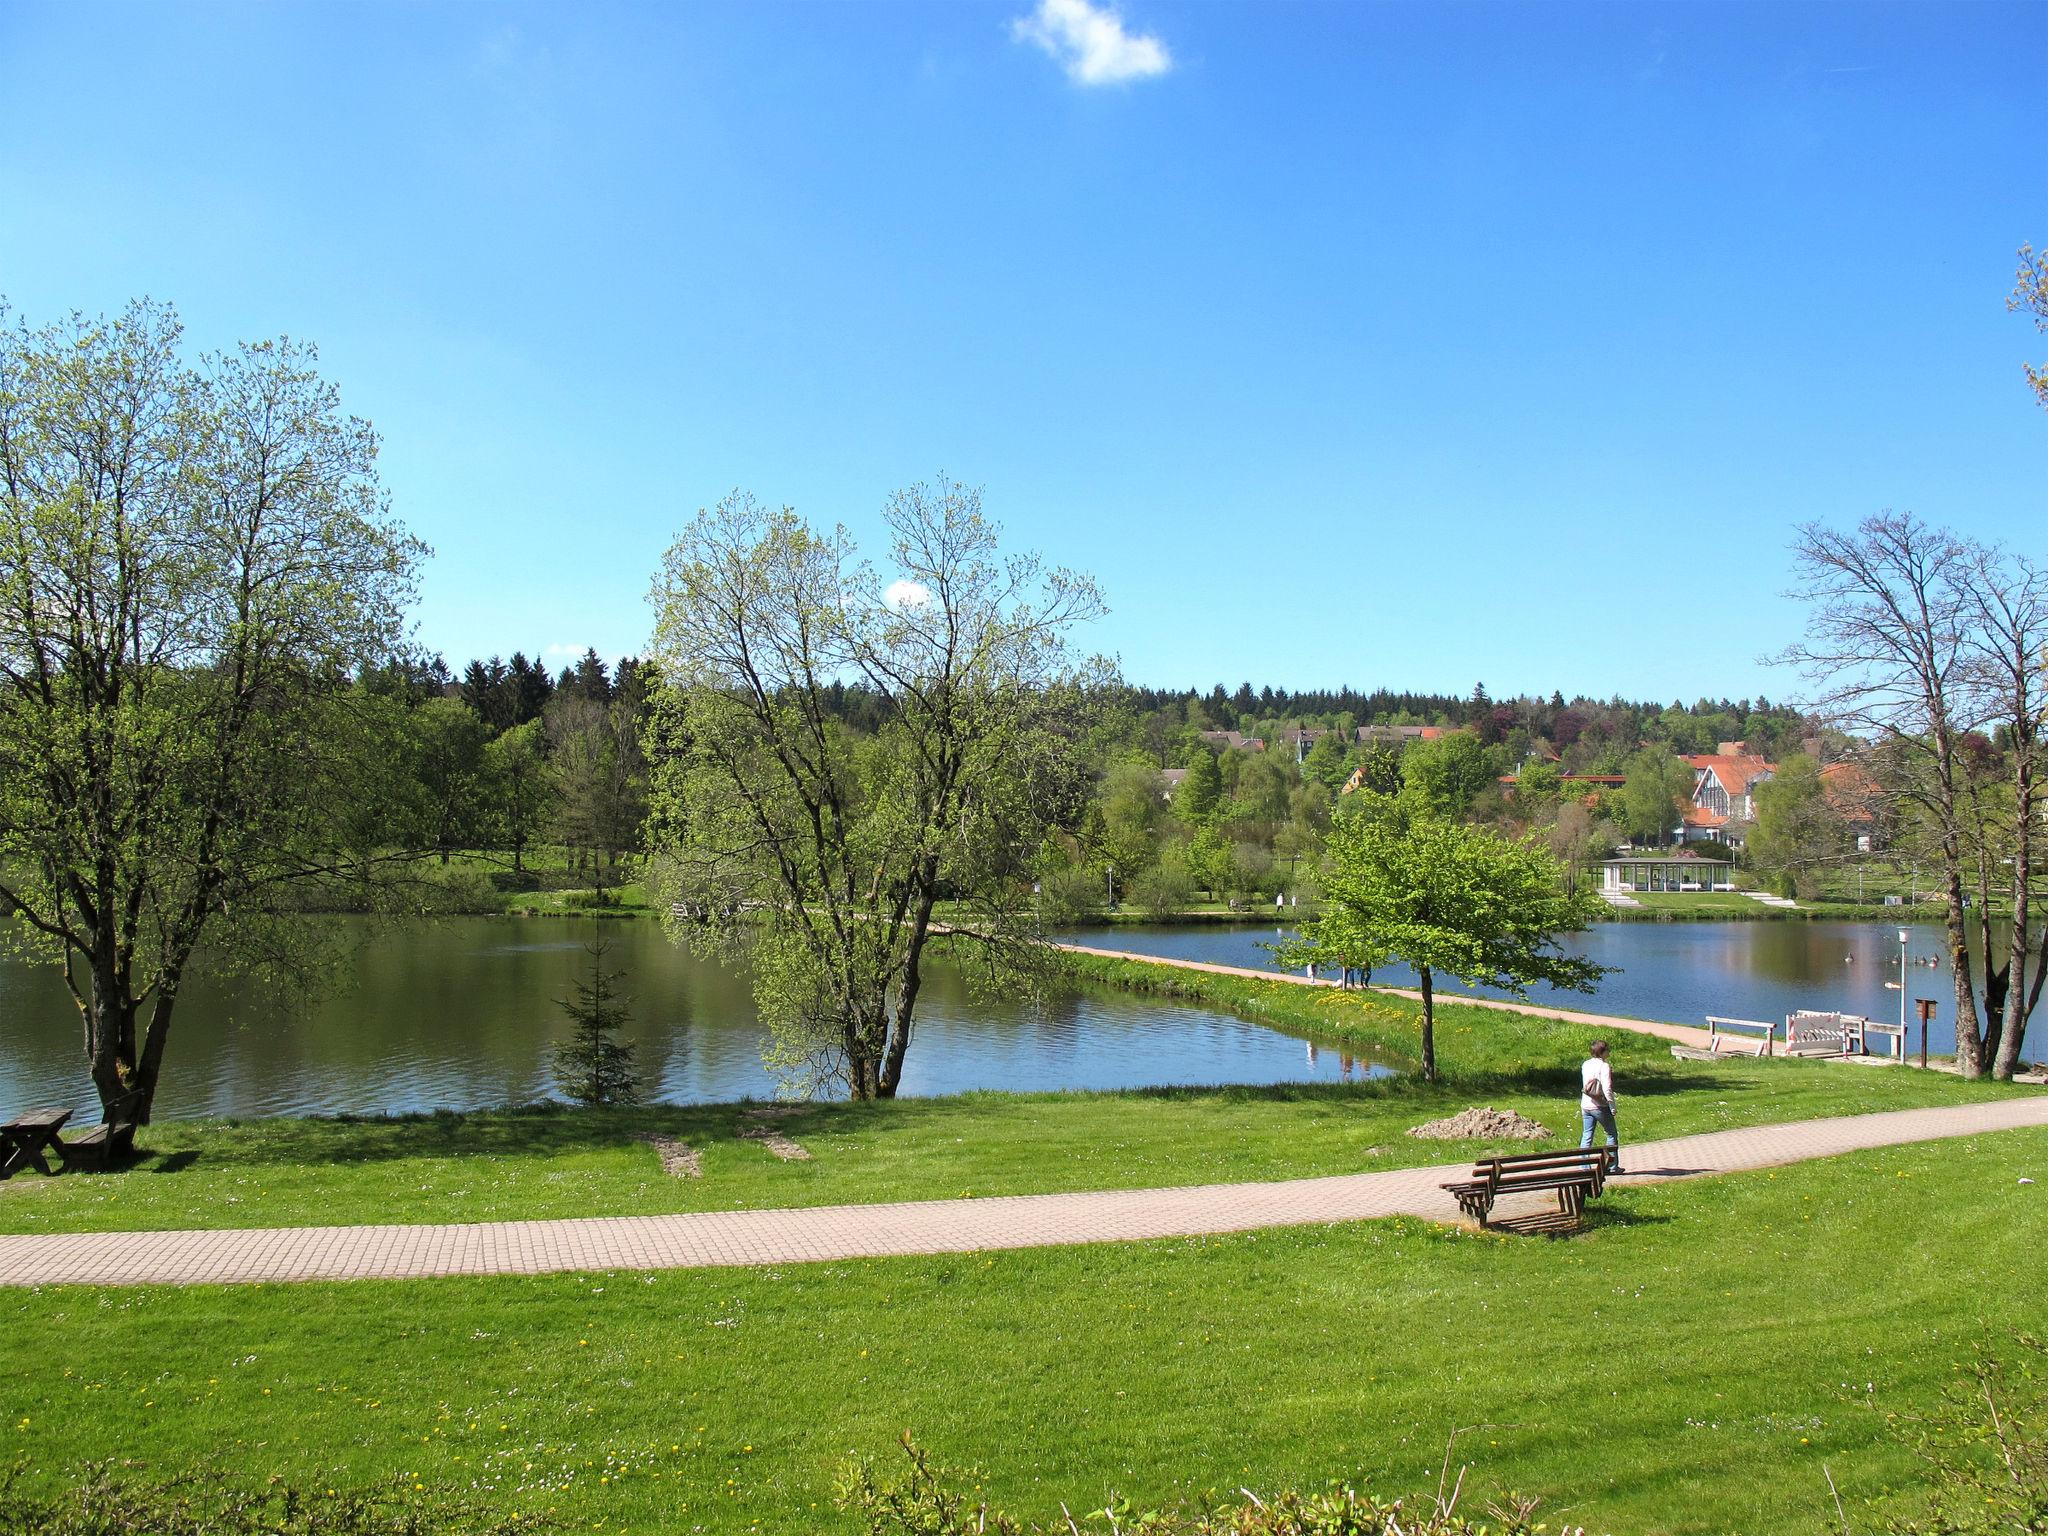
193, 559
598, 775
1447, 898
838, 845
1209, 861
1539, 783
521, 789
1655, 793
1201, 789
1442, 778
1164, 888
1381, 767
1328, 762
1796, 828
1263, 785
449, 746
593, 1066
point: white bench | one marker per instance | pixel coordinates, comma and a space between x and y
1728, 1036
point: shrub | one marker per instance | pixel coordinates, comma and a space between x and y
1986, 1449
925, 1503
111, 1499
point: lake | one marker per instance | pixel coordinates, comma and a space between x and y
1678, 972
462, 1014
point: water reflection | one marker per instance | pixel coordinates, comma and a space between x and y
463, 1014
1679, 972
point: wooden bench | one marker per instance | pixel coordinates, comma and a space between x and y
24, 1140
91, 1152
1577, 1176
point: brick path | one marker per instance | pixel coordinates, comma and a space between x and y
709, 1238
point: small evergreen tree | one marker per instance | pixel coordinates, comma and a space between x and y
592, 1066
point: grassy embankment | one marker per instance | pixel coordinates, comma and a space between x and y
540, 1163
1689, 1365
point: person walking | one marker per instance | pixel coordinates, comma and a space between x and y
1596, 1103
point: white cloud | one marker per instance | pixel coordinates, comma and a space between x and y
904, 593
1091, 44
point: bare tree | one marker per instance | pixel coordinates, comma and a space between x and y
1931, 647
2006, 640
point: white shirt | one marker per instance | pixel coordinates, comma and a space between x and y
1592, 1071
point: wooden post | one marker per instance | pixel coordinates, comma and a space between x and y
1927, 1005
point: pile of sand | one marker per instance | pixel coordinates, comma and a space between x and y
1481, 1125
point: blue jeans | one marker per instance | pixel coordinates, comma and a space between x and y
1604, 1118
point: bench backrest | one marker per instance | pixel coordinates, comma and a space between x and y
1589, 1161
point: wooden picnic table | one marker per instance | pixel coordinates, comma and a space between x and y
25, 1139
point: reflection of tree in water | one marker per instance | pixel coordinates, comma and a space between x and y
1056, 1020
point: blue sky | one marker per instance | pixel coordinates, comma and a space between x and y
1406, 344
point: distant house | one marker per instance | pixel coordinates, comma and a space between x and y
1299, 739
1397, 735
1170, 780
1853, 795
1723, 794
1233, 741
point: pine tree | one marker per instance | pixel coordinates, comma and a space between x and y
591, 1066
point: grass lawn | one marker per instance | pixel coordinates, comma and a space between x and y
1688, 1365
524, 1164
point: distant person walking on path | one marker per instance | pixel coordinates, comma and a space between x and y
1596, 1103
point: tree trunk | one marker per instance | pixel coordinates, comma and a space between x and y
1428, 1025
1969, 1043
2018, 951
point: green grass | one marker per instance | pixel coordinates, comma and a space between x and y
549, 1163
1690, 1364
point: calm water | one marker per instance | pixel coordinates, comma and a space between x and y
462, 1014
1679, 972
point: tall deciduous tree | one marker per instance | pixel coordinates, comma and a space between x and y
824, 851
1201, 789
1798, 829
522, 793
1654, 793
1931, 646
1450, 899
192, 561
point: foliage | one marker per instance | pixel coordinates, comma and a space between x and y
114, 1499
1985, 1448
1440, 779
1657, 790
196, 559
1165, 886
821, 851
1797, 830
2030, 297
593, 1067
927, 1502
1201, 789
1447, 898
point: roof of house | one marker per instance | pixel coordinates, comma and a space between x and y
1736, 772
1236, 740
1850, 789
1173, 776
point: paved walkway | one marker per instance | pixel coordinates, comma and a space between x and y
702, 1239
1682, 1034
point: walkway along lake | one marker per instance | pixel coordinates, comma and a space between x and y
1676, 972
462, 1014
